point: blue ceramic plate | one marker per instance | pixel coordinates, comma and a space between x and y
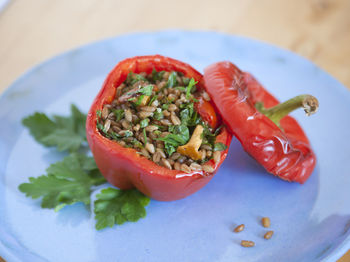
311, 221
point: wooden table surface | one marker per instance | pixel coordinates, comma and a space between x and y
32, 31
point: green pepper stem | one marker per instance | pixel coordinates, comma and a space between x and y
308, 102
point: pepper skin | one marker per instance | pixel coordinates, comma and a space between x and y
126, 169
284, 152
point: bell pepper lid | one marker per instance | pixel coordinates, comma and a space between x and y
236, 95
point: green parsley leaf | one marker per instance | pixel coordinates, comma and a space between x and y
165, 106
65, 133
146, 90
139, 100
111, 135
67, 182
157, 76
219, 147
189, 116
144, 135
170, 149
119, 114
217, 131
185, 80
157, 132
132, 78
154, 98
144, 122
128, 133
137, 143
172, 82
181, 88
114, 206
191, 84
179, 136
158, 114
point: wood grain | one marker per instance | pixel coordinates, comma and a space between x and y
32, 31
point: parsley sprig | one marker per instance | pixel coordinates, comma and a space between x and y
115, 206
66, 182
65, 133
73, 179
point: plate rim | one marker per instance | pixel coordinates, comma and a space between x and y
343, 247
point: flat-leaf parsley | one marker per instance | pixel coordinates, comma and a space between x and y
114, 206
65, 133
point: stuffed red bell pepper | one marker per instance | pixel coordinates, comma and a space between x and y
152, 126
261, 124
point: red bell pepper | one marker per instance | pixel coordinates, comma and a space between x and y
270, 136
123, 167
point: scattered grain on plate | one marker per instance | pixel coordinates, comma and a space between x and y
265, 222
239, 228
247, 243
268, 234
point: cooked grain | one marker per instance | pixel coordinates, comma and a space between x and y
107, 125
195, 167
175, 156
205, 96
239, 228
137, 127
124, 132
266, 222
161, 152
165, 122
246, 243
172, 107
128, 115
148, 108
155, 103
268, 235
203, 153
105, 112
156, 157
177, 166
217, 156
172, 97
145, 114
151, 128
116, 129
150, 148
209, 154
125, 124
182, 159
185, 168
166, 163
176, 121
166, 113
145, 153
206, 147
208, 168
